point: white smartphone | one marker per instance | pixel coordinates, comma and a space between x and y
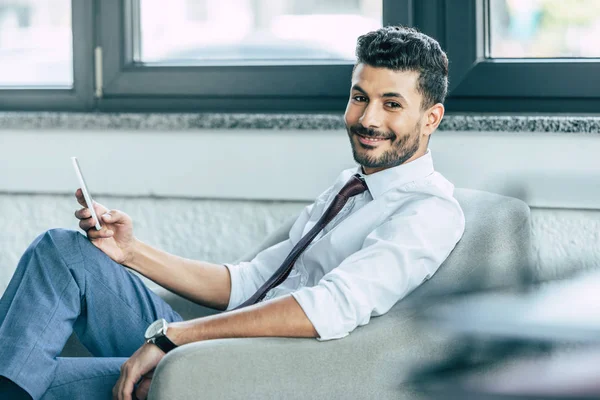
86, 193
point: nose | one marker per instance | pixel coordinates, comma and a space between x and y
371, 117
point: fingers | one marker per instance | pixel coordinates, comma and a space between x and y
99, 208
123, 389
111, 217
143, 388
87, 222
83, 213
80, 198
103, 233
115, 217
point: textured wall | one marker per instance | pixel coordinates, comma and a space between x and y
210, 230
565, 241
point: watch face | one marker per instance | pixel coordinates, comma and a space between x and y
154, 328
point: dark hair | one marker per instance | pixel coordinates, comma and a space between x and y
406, 49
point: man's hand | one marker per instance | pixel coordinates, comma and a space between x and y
143, 388
140, 364
116, 236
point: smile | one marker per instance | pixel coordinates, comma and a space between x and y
366, 140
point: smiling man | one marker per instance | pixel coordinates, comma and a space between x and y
381, 230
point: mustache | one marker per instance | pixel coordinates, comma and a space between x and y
371, 133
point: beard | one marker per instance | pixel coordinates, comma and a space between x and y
402, 147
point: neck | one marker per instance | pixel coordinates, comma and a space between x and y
368, 171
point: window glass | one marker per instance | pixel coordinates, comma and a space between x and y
189, 31
36, 46
544, 28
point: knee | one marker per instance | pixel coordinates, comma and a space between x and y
58, 236
64, 241
59, 232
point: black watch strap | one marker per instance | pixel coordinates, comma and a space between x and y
164, 343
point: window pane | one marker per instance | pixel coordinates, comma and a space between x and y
36, 43
191, 31
544, 28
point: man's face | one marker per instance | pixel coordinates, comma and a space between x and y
384, 118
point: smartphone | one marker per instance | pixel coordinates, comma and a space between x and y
86, 193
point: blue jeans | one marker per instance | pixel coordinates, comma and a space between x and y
63, 283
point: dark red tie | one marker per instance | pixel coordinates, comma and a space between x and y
353, 187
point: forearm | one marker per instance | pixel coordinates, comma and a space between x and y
201, 282
279, 317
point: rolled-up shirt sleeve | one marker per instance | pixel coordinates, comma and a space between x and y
395, 258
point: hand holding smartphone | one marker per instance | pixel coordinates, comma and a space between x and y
86, 193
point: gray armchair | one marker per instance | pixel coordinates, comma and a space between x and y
374, 360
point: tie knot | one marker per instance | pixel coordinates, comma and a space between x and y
354, 186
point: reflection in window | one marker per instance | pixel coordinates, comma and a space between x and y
544, 28
247, 30
36, 43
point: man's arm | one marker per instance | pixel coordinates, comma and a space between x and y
281, 317
211, 284
397, 257
201, 282
277, 317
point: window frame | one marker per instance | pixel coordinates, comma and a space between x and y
226, 88
477, 84
81, 96
480, 84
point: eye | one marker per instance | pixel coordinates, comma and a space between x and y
359, 98
393, 104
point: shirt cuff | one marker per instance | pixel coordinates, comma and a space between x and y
315, 302
236, 295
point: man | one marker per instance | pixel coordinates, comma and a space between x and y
376, 234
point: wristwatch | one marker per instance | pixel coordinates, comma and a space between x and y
157, 334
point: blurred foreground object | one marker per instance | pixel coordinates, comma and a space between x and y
539, 343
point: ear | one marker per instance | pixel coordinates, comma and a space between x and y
433, 117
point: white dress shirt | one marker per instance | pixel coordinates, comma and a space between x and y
383, 244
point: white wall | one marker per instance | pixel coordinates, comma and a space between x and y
220, 175
545, 170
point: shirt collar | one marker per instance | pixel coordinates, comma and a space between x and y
382, 181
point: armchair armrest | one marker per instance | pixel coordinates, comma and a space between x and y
371, 363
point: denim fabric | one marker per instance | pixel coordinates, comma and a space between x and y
63, 283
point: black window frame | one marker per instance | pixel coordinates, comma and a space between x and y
78, 98
477, 84
484, 85
135, 86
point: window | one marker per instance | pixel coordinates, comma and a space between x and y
46, 55
36, 43
544, 29
233, 55
287, 55
196, 32
489, 73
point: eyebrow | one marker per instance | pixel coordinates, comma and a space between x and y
387, 94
